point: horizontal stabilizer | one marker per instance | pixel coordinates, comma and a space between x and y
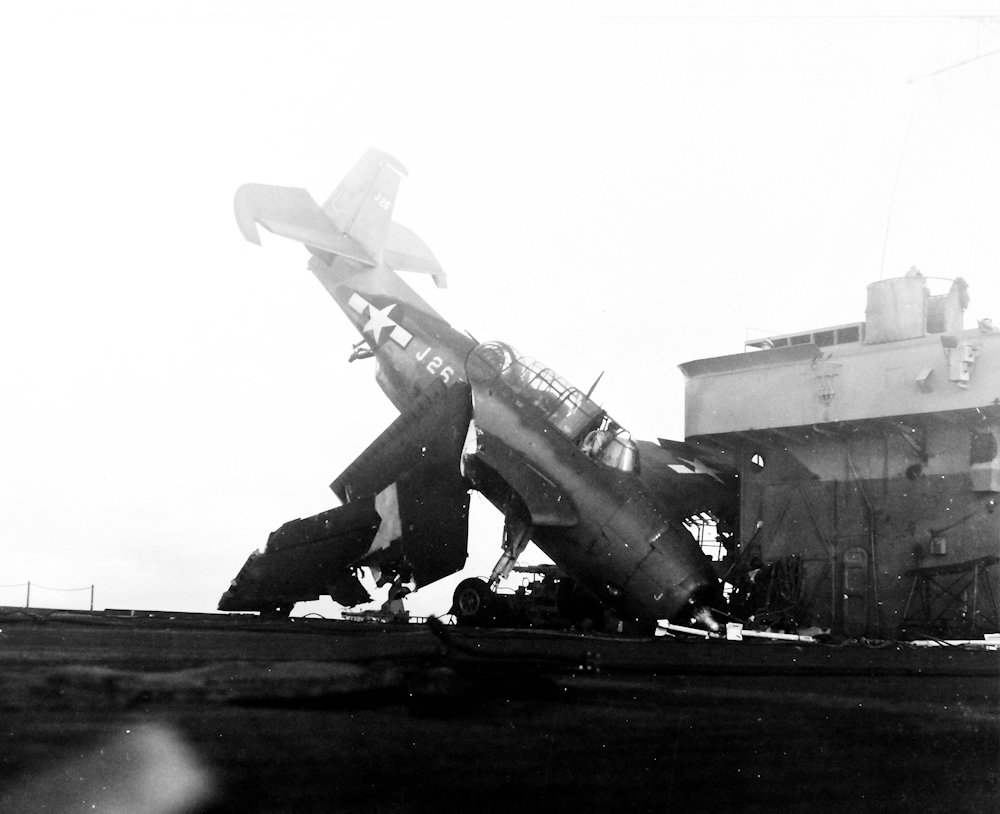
292, 212
355, 221
407, 252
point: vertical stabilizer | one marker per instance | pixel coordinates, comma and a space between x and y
362, 204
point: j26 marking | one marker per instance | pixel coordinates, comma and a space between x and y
436, 365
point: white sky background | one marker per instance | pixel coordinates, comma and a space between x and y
619, 187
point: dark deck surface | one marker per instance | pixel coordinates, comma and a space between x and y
311, 715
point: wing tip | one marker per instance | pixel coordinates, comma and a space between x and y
245, 217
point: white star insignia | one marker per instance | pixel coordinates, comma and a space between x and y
378, 321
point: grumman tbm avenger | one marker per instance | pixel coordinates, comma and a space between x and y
472, 416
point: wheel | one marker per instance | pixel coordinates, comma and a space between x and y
471, 602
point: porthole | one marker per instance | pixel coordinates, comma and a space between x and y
757, 462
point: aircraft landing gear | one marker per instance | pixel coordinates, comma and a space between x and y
475, 601
471, 602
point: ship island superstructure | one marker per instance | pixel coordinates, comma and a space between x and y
867, 466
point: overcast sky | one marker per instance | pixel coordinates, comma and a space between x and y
610, 186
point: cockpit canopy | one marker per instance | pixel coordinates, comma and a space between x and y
567, 408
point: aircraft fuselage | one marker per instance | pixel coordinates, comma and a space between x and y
598, 523
563, 472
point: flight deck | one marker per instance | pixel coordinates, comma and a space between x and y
309, 714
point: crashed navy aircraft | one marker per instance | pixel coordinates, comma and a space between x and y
607, 509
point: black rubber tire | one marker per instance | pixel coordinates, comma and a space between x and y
471, 602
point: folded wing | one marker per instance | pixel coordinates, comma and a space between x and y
685, 484
405, 515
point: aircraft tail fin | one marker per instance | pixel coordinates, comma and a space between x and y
355, 222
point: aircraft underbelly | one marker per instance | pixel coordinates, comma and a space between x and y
647, 569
